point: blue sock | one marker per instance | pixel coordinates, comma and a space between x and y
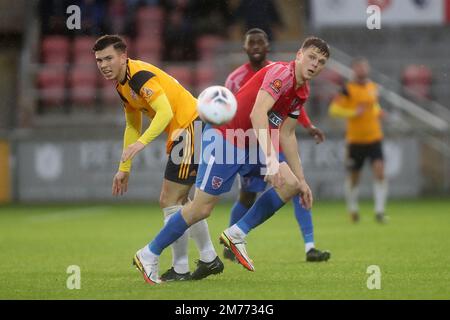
266, 205
174, 228
238, 211
304, 219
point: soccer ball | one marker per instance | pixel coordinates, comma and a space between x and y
216, 105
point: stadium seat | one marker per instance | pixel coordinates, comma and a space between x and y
83, 86
55, 50
207, 46
417, 80
205, 76
51, 82
182, 73
148, 50
150, 14
149, 22
82, 50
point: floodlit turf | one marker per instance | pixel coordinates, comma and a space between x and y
38, 243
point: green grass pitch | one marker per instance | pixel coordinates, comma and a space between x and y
38, 243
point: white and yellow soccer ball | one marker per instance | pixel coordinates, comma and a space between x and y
216, 105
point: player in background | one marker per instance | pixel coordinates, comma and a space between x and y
268, 108
145, 89
256, 45
358, 103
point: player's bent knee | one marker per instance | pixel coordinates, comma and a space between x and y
167, 199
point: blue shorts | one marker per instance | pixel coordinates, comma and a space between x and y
255, 183
221, 161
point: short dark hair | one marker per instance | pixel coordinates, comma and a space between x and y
256, 31
320, 44
110, 40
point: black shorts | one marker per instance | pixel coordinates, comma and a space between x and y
357, 154
182, 166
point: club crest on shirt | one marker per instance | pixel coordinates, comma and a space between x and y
146, 92
216, 182
276, 85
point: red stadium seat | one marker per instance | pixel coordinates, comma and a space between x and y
149, 21
205, 76
83, 86
182, 73
55, 50
82, 50
148, 50
207, 46
51, 82
150, 14
417, 80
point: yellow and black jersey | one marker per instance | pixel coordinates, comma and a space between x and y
149, 90
364, 128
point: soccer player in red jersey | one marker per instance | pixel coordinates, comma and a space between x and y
269, 105
256, 45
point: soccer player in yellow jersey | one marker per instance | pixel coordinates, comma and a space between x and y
358, 103
145, 89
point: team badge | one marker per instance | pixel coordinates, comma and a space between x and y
216, 182
146, 92
276, 85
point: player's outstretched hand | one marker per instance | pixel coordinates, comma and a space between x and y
120, 183
317, 134
306, 196
131, 151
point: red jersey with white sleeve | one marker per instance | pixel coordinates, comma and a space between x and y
277, 79
244, 73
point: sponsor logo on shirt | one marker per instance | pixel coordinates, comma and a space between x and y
276, 85
275, 119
